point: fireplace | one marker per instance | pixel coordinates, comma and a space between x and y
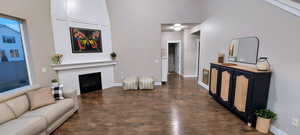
90, 82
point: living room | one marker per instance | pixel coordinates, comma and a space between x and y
66, 67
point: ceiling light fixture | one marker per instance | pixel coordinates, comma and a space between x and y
177, 27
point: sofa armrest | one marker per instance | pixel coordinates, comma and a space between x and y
72, 94
69, 94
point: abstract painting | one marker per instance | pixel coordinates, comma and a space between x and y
86, 40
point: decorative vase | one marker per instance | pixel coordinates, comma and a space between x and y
263, 125
113, 58
221, 57
263, 64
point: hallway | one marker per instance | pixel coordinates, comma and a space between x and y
180, 107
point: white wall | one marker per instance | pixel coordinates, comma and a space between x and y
278, 32
189, 53
80, 13
136, 28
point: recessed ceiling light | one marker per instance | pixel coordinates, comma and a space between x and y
177, 27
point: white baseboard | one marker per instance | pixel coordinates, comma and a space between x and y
277, 131
203, 85
118, 84
189, 76
158, 83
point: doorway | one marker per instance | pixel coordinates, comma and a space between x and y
173, 58
171, 63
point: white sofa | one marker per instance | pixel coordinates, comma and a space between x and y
42, 121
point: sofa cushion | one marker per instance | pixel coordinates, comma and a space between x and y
19, 105
6, 113
52, 112
24, 126
40, 98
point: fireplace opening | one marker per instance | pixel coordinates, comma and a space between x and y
90, 82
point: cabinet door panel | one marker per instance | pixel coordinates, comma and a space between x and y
241, 91
213, 81
225, 85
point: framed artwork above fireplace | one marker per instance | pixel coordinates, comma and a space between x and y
86, 40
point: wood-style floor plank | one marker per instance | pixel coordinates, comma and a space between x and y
180, 107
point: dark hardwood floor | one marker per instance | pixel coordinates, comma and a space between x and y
180, 107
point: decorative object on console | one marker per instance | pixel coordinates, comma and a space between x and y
54, 82
57, 92
264, 118
221, 57
57, 58
263, 64
244, 50
205, 76
86, 40
233, 47
113, 55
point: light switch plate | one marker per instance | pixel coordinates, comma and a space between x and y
44, 70
295, 122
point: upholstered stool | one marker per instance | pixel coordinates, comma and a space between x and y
130, 83
146, 83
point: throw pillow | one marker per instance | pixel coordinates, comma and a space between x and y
57, 92
40, 98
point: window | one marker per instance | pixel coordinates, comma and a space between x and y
13, 65
8, 39
14, 53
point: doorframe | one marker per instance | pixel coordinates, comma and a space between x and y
198, 60
180, 53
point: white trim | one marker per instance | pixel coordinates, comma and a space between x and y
180, 53
198, 59
277, 131
26, 54
189, 76
157, 83
70, 66
287, 5
117, 84
203, 85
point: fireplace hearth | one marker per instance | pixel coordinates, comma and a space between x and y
90, 82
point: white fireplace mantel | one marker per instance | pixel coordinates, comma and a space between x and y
71, 66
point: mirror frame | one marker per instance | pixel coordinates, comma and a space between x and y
258, 45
